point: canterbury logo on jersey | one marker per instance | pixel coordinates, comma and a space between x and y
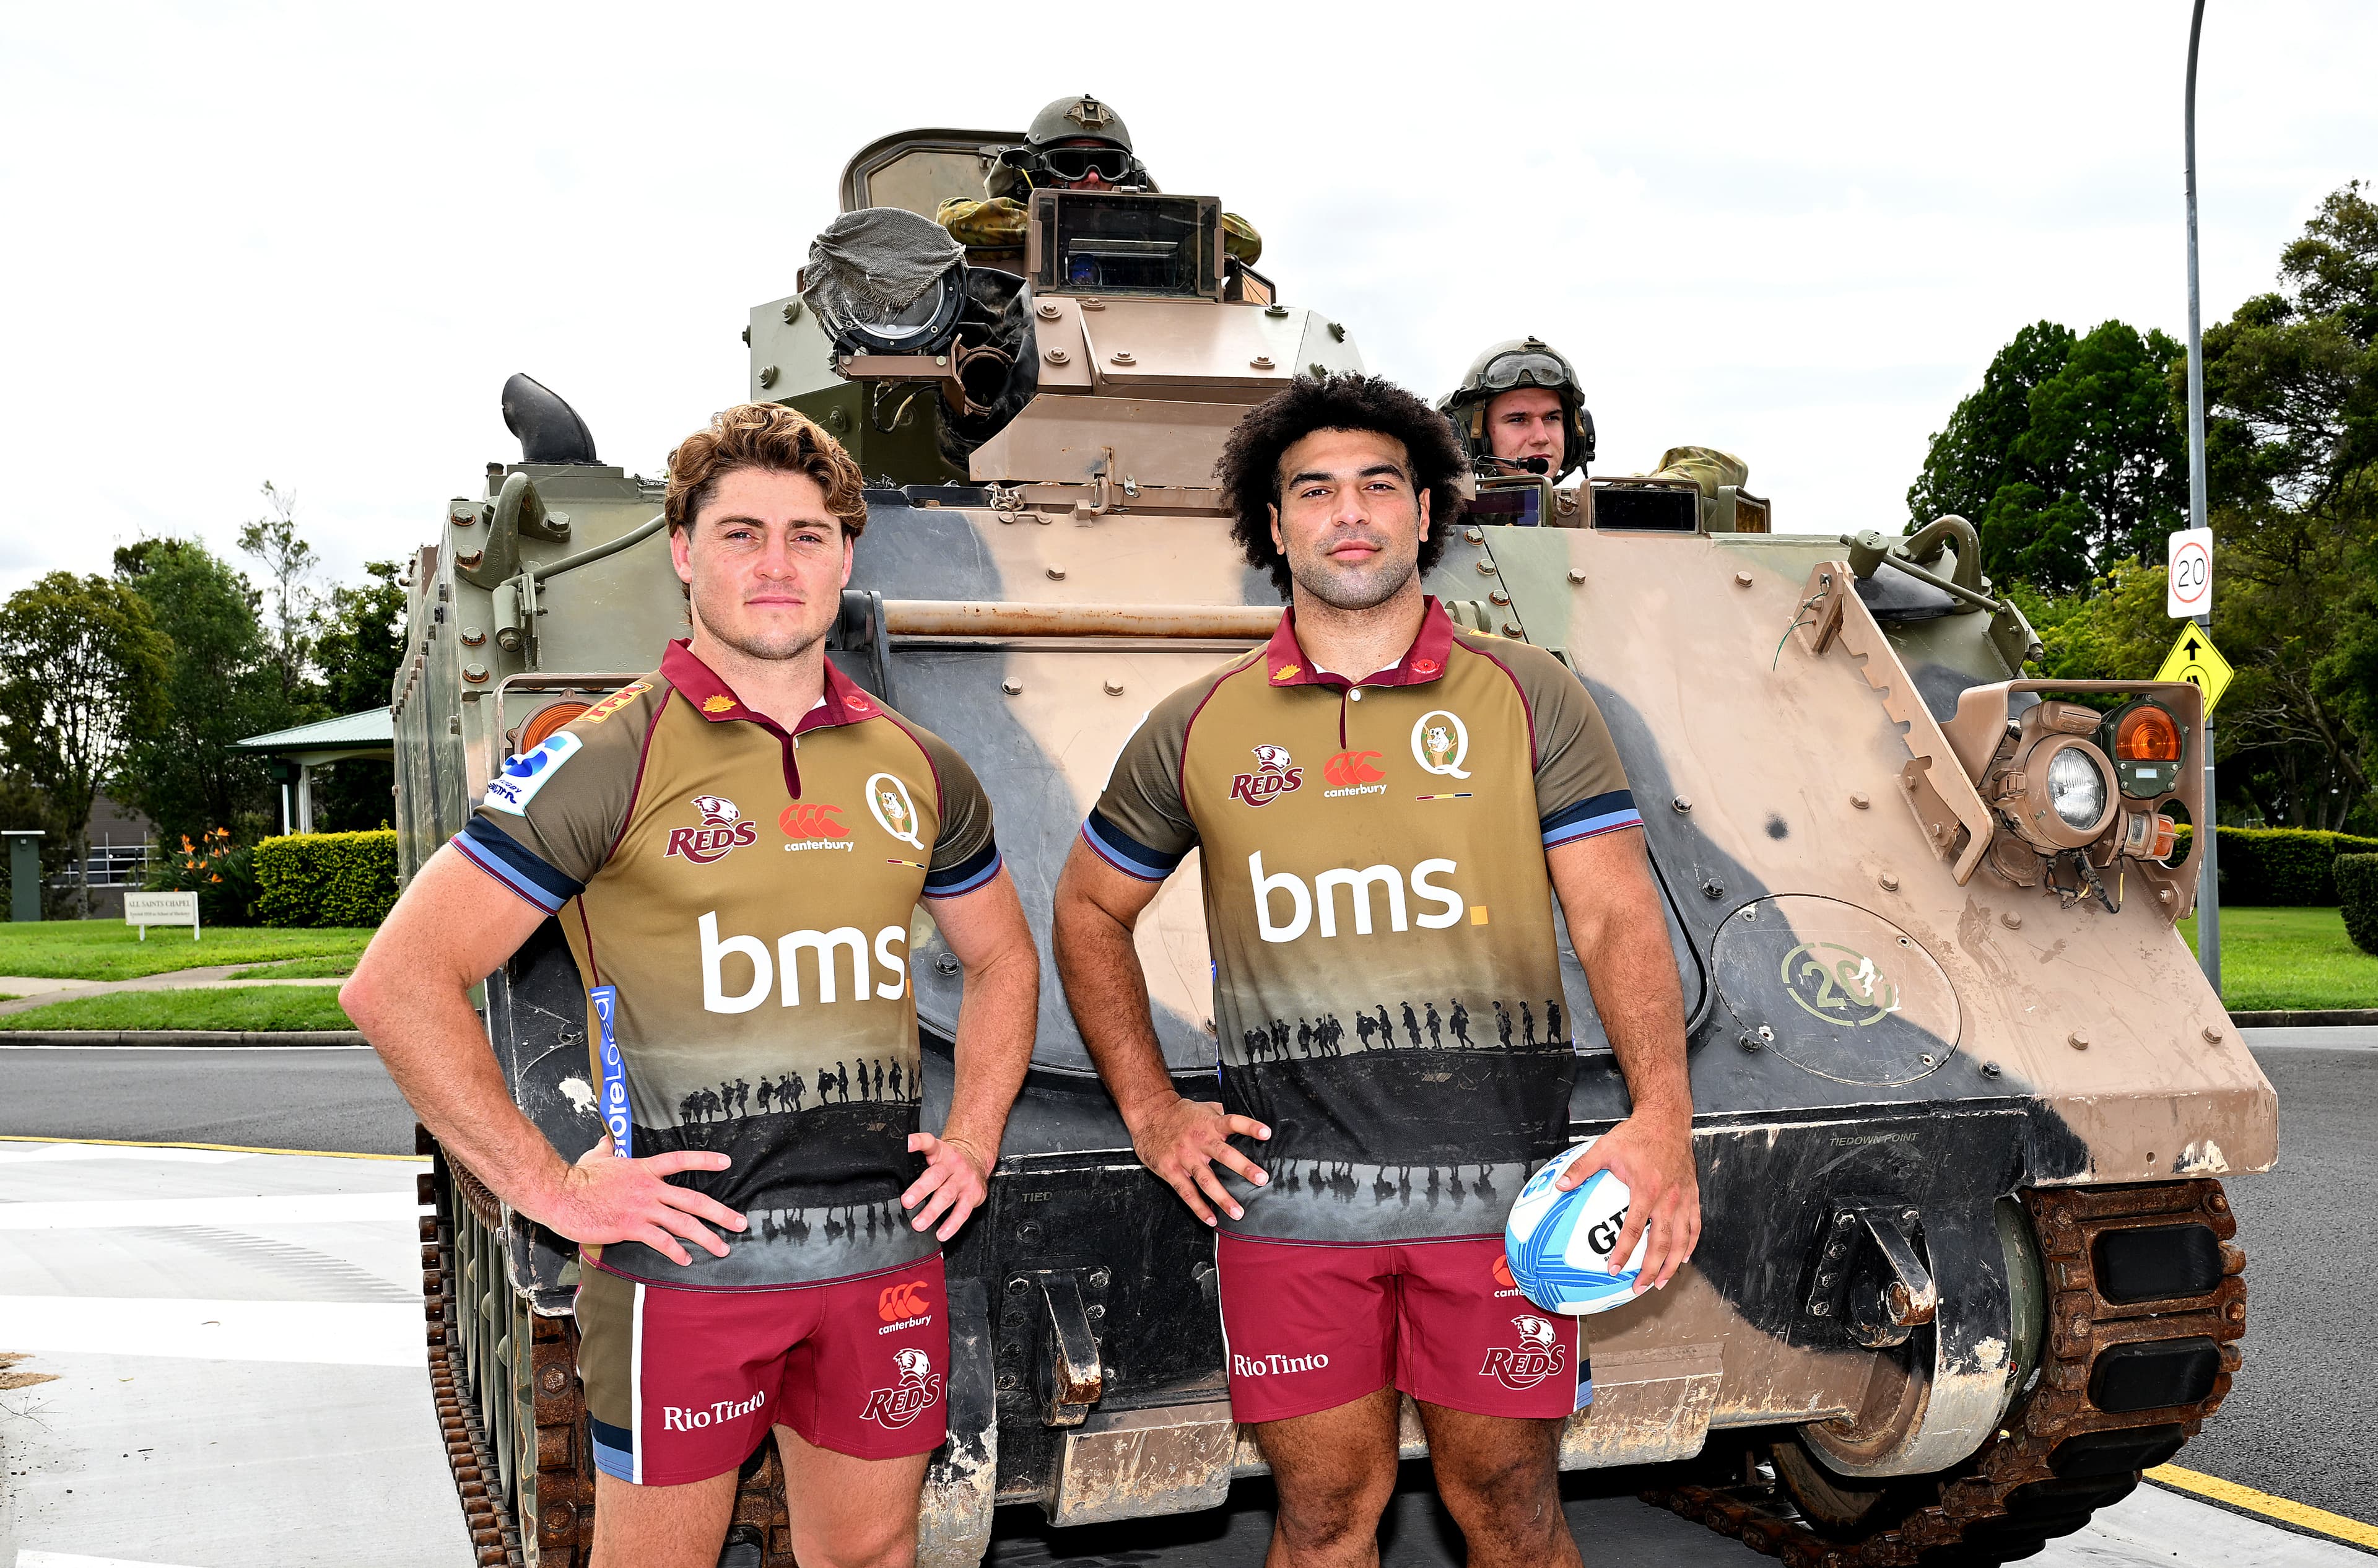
885, 980
1322, 899
1353, 772
806, 819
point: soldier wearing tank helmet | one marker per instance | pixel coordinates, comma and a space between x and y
1519, 410
1074, 144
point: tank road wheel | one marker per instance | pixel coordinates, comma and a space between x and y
2129, 1301
512, 1412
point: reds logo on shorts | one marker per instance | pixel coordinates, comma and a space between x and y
1539, 1355
918, 1391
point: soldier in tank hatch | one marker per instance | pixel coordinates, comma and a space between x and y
1074, 144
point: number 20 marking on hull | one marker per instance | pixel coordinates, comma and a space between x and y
1847, 984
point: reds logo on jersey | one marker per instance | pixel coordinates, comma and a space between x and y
722, 831
1273, 776
918, 1391
1539, 1355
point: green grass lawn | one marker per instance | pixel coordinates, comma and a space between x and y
2290, 959
336, 967
258, 1008
109, 950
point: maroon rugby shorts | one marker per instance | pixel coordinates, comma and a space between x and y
682, 1384
1307, 1328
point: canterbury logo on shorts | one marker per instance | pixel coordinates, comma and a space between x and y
903, 1300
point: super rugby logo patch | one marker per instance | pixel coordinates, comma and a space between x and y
1274, 777
723, 830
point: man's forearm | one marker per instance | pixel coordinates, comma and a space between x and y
998, 1014
1643, 1010
437, 1050
1108, 995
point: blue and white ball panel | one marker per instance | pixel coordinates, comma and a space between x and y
1558, 1243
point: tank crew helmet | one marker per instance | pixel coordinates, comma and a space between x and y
1074, 139
1507, 367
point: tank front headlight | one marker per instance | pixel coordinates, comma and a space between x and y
2076, 787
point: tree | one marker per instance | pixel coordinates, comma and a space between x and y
358, 646
2068, 459
288, 561
2291, 443
82, 672
1973, 458
222, 686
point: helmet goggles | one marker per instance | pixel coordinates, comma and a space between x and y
1526, 368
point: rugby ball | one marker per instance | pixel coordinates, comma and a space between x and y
1558, 1243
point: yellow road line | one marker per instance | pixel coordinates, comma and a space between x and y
2301, 1515
224, 1148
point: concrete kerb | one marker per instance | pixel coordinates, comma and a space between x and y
2329, 1018
286, 1038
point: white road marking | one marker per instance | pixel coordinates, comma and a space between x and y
23, 1153
68, 1560
341, 1334
232, 1212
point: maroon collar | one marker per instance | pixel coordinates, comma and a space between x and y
715, 700
1285, 663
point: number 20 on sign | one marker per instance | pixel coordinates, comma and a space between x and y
2188, 577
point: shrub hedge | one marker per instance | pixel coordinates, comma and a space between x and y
2357, 891
326, 879
2283, 866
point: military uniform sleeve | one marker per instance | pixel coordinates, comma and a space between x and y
996, 223
1140, 825
1239, 239
546, 823
1580, 783
966, 852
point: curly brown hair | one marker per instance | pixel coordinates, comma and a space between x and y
1250, 466
769, 436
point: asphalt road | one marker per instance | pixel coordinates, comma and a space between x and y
2297, 1423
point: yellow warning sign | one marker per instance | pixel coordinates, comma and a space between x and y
2194, 660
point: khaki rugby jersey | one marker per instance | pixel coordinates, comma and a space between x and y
1387, 982
738, 899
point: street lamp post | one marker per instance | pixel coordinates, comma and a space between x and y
2208, 837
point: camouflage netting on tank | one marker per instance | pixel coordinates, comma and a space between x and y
873, 263
1705, 466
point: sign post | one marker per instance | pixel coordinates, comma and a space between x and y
2208, 839
146, 909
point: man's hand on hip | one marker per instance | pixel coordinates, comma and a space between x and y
603, 1198
1655, 1156
1180, 1139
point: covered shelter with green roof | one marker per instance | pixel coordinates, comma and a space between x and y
297, 752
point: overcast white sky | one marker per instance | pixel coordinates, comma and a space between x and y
307, 243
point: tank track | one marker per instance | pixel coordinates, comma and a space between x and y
562, 1481
2058, 1456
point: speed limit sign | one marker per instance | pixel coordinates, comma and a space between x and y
2187, 582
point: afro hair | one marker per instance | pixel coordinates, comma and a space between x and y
1250, 466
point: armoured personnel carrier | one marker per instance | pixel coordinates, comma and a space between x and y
1963, 1097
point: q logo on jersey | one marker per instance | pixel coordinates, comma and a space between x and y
1439, 742
895, 812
